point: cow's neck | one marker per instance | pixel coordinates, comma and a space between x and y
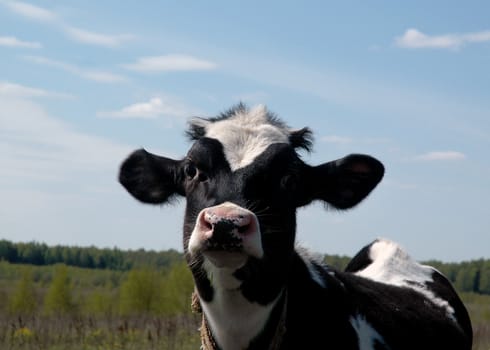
253, 326
231, 316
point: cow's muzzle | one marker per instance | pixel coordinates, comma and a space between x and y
225, 233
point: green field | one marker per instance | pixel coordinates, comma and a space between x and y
61, 307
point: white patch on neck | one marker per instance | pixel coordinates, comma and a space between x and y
366, 334
310, 259
392, 265
246, 135
234, 321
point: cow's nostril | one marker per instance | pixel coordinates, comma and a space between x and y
206, 222
207, 225
243, 229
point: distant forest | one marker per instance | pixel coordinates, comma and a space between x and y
40, 254
467, 276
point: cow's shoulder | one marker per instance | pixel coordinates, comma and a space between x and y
393, 280
384, 261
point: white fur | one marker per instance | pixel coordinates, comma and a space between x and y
221, 277
392, 265
366, 334
234, 321
246, 135
308, 258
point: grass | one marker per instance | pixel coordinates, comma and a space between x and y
479, 309
148, 333
481, 334
86, 333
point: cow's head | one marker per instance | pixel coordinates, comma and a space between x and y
243, 181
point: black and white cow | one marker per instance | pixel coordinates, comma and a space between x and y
243, 181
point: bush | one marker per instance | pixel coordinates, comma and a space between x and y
58, 299
140, 292
23, 300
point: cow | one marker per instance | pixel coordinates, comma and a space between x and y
243, 180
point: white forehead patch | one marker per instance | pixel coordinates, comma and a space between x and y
246, 135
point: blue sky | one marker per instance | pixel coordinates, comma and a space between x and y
83, 83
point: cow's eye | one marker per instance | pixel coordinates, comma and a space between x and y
193, 173
190, 170
288, 182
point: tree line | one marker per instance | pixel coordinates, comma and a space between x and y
467, 276
40, 254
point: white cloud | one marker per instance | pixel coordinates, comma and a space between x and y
37, 146
16, 90
60, 184
99, 76
168, 63
441, 156
31, 11
414, 39
156, 107
75, 33
11, 41
89, 74
93, 38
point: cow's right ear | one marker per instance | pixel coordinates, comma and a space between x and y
151, 178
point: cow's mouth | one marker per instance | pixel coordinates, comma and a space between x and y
212, 245
226, 258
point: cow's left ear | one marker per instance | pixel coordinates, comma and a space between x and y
343, 183
151, 178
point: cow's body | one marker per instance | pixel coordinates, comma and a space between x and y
243, 181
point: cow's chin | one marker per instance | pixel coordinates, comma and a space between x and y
226, 259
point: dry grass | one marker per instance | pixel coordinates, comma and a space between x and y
86, 333
138, 333
481, 337
479, 309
